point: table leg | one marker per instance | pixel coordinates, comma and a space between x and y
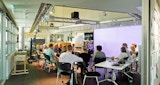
24, 66
106, 73
15, 67
113, 78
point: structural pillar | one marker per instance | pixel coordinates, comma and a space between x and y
21, 38
145, 58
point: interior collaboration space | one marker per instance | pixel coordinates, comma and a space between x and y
80, 42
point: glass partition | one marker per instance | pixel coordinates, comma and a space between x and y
1, 47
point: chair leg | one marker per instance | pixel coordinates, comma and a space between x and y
84, 79
49, 69
44, 66
62, 79
57, 78
76, 78
97, 80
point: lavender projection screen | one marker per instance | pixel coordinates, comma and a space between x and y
111, 39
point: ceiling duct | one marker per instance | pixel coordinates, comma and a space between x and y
71, 20
137, 16
47, 28
41, 12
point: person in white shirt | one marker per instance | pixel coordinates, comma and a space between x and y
69, 57
123, 53
45, 47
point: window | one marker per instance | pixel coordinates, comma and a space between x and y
6, 22
6, 48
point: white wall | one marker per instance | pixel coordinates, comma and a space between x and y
79, 38
111, 39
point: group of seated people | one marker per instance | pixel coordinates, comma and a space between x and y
126, 53
98, 55
56, 53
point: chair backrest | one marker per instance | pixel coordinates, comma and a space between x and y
98, 60
64, 66
83, 67
85, 57
46, 56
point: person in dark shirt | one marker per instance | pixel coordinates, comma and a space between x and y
85, 56
99, 55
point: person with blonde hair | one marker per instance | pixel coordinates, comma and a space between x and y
135, 45
134, 55
133, 50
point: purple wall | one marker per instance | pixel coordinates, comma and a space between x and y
111, 39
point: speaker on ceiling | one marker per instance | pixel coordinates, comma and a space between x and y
75, 15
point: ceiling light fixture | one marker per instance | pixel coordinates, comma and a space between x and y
105, 21
76, 25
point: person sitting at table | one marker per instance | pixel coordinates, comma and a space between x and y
85, 56
99, 55
39, 51
68, 57
51, 54
123, 54
134, 55
90, 48
59, 50
126, 47
133, 50
45, 47
55, 47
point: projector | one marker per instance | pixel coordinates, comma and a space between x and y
75, 15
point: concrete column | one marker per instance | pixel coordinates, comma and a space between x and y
21, 38
3, 38
145, 59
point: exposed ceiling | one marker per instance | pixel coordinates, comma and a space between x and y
24, 11
158, 2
